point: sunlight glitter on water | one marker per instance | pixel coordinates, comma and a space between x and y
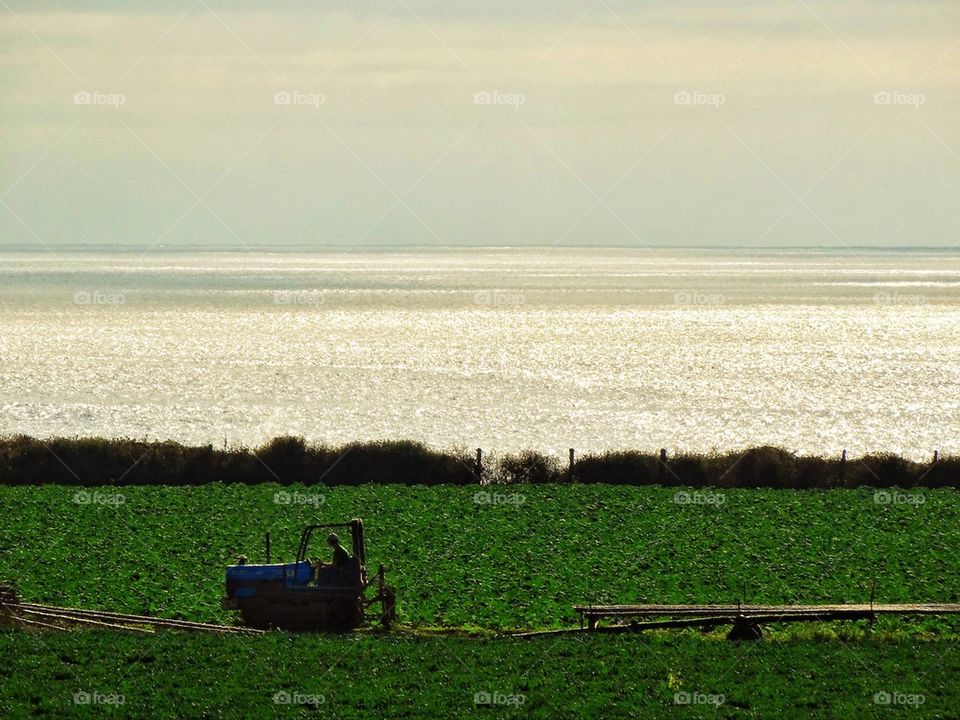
500, 349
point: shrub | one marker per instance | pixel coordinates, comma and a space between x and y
530, 467
93, 461
620, 468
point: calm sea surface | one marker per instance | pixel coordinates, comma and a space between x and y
500, 349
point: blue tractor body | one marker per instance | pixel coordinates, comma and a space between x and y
247, 579
308, 594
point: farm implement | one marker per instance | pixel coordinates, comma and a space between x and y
745, 620
16, 613
307, 594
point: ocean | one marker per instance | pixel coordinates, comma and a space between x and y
502, 349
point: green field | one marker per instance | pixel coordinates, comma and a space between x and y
194, 676
519, 560
518, 557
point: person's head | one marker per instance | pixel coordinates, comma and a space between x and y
333, 540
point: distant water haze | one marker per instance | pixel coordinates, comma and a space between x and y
500, 349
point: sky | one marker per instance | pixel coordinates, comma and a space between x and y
394, 123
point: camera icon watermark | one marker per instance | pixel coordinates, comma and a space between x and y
696, 97
484, 497
303, 299
486, 97
894, 497
98, 298
682, 497
697, 298
92, 97
295, 97
498, 298
85, 497
83, 697
899, 298
298, 498
285, 697
698, 698
898, 698
892, 97
484, 697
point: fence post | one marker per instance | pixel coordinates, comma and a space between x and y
843, 465
936, 456
570, 467
662, 468
478, 470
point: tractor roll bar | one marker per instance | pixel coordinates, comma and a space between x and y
356, 538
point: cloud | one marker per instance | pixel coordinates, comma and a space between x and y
398, 83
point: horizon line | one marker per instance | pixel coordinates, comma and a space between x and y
277, 249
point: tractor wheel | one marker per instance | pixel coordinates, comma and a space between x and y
346, 614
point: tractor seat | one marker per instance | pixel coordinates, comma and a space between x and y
346, 576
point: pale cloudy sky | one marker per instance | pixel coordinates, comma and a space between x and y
403, 122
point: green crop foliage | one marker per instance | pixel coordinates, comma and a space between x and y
184, 676
515, 557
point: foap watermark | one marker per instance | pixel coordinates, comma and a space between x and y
682, 497
85, 497
286, 697
697, 298
307, 299
696, 97
698, 698
895, 697
93, 97
83, 697
894, 497
486, 97
498, 298
898, 298
893, 97
98, 298
485, 697
485, 497
298, 498
314, 100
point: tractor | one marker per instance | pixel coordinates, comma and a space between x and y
308, 594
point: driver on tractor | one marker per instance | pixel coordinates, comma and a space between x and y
341, 558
